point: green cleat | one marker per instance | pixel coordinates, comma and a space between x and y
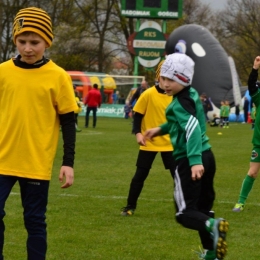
206, 255
219, 232
238, 207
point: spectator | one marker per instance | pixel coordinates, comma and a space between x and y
138, 92
237, 112
225, 114
92, 101
115, 97
222, 109
207, 106
215, 121
127, 109
246, 109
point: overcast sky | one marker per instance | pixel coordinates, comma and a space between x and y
215, 4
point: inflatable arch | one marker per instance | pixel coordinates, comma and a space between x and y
84, 82
109, 87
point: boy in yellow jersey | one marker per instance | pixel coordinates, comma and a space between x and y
149, 111
35, 98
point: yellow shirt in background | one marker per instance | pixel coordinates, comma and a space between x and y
152, 105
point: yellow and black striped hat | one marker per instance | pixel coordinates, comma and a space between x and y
158, 70
33, 19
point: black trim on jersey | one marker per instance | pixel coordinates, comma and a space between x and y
159, 90
17, 62
137, 122
67, 122
186, 101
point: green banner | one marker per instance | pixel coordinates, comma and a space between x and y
106, 110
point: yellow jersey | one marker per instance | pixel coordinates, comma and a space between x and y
30, 101
152, 105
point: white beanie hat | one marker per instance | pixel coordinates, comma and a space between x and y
178, 67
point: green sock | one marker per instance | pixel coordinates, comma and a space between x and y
247, 185
209, 224
210, 254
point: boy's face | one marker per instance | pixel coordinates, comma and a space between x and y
31, 47
170, 86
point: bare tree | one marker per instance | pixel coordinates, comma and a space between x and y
101, 18
241, 28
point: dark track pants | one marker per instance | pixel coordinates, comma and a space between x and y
194, 199
94, 111
143, 165
34, 196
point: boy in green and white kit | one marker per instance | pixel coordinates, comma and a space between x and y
195, 163
254, 167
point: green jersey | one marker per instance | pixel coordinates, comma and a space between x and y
186, 126
253, 113
224, 111
255, 94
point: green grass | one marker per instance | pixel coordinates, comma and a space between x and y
84, 221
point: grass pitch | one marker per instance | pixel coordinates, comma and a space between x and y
84, 221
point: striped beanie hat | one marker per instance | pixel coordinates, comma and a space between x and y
158, 70
35, 20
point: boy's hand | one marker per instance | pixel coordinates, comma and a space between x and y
197, 172
68, 172
150, 133
140, 139
256, 63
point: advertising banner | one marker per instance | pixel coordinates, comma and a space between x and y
107, 110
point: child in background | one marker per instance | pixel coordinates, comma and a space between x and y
195, 163
127, 109
36, 97
225, 114
215, 121
221, 113
248, 182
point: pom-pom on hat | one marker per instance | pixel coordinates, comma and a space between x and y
35, 20
178, 67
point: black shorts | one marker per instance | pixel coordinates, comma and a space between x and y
145, 159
